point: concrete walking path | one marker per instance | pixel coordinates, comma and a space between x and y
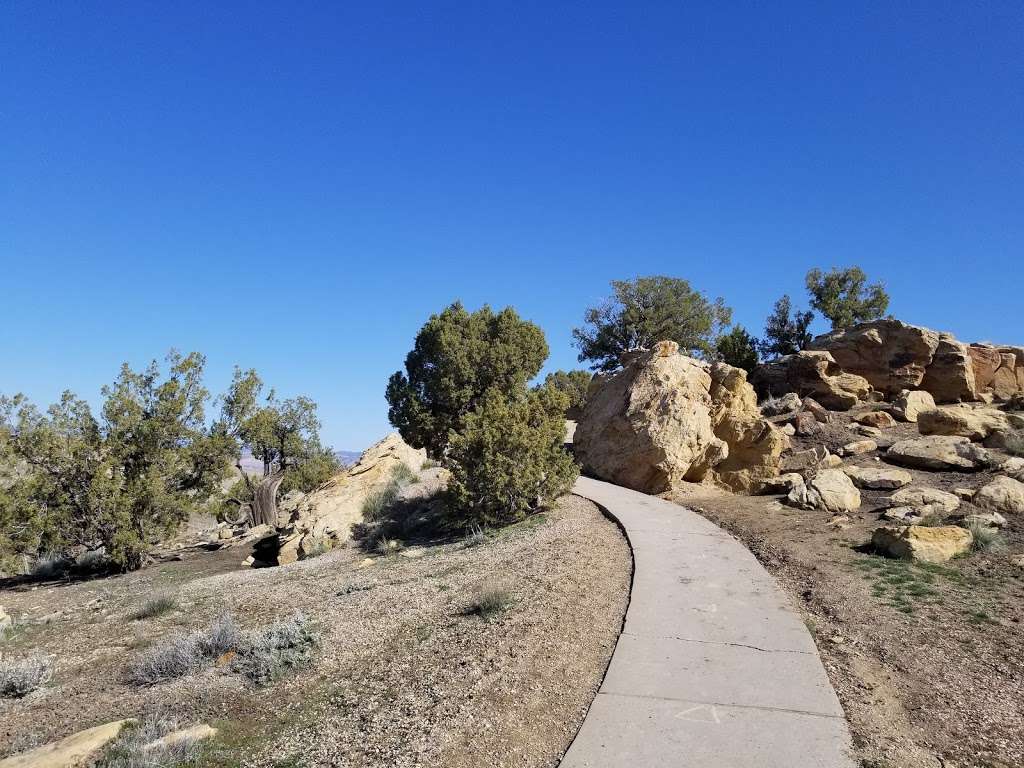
713, 667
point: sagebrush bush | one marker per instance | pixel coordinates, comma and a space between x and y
475, 537
377, 503
19, 677
138, 746
49, 566
986, 538
265, 655
155, 606
509, 460
489, 602
261, 655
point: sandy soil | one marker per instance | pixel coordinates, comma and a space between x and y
406, 676
928, 661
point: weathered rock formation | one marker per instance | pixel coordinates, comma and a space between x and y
811, 373
324, 517
894, 356
666, 419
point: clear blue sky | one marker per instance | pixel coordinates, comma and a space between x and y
296, 186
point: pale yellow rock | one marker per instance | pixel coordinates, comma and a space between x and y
327, 513
878, 478
1003, 494
924, 543
964, 421
830, 490
69, 752
666, 420
183, 735
811, 373
909, 404
926, 500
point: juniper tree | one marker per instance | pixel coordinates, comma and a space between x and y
647, 310
845, 298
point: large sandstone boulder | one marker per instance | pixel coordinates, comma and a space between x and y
950, 376
325, 516
830, 490
666, 419
811, 373
890, 354
930, 544
1003, 494
936, 452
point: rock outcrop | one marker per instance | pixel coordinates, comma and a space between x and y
811, 373
666, 419
323, 518
890, 354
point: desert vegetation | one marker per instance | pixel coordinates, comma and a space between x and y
82, 491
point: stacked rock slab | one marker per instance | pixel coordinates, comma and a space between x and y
666, 419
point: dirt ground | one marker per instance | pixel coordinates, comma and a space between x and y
928, 660
405, 675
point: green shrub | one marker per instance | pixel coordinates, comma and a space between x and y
573, 385
267, 654
738, 349
457, 357
509, 461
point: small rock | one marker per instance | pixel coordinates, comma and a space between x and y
910, 403
858, 447
861, 429
902, 515
964, 493
788, 429
839, 521
876, 419
804, 460
938, 453
225, 533
249, 560
927, 544
820, 412
366, 562
191, 734
413, 552
6, 622
804, 424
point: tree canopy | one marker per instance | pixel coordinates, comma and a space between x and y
573, 384
844, 296
737, 348
122, 481
785, 331
646, 310
457, 357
